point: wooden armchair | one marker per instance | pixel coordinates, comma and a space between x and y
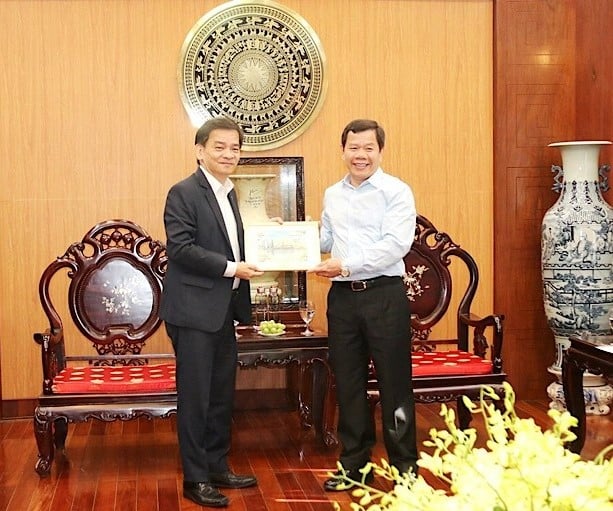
445, 369
115, 274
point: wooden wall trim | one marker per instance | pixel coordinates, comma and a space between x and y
17, 408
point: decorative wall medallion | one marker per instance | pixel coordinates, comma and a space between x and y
258, 63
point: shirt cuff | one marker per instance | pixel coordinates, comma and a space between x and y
353, 264
230, 269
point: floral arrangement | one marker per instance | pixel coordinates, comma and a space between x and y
522, 468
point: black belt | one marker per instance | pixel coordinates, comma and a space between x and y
363, 285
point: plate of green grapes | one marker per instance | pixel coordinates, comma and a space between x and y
271, 328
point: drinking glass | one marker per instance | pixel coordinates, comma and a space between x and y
307, 311
261, 308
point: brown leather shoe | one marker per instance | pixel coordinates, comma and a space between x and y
231, 480
204, 494
343, 481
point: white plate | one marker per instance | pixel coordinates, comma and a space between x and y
272, 335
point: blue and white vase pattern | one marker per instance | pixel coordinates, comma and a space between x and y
577, 248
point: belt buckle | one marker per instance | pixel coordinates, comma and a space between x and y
358, 285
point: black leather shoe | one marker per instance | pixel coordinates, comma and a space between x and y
231, 480
340, 482
204, 494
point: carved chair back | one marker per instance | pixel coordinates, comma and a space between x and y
116, 273
429, 284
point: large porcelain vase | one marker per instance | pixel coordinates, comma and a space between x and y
577, 250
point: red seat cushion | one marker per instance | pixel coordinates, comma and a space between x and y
110, 379
443, 363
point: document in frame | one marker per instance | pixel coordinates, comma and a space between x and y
290, 246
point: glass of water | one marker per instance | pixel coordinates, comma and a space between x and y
307, 311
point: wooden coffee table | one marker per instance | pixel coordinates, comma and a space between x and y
586, 353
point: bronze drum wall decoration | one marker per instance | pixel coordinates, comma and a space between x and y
258, 63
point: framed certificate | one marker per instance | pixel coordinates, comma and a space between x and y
290, 246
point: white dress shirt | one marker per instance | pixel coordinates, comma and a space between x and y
369, 227
221, 191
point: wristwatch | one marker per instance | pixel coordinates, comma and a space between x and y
345, 272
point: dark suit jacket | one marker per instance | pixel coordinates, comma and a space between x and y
196, 295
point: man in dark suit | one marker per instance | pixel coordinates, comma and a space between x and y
206, 288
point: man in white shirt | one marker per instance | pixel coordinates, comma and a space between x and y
368, 226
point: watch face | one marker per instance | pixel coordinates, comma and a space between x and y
344, 272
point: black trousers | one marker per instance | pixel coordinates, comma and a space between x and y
372, 323
206, 373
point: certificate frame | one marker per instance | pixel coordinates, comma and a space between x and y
290, 246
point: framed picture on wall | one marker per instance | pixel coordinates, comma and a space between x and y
273, 187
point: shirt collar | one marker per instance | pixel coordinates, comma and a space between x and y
373, 180
218, 187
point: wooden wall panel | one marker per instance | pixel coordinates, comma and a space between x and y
553, 75
92, 127
595, 77
533, 106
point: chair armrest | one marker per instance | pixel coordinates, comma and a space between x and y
480, 344
52, 355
